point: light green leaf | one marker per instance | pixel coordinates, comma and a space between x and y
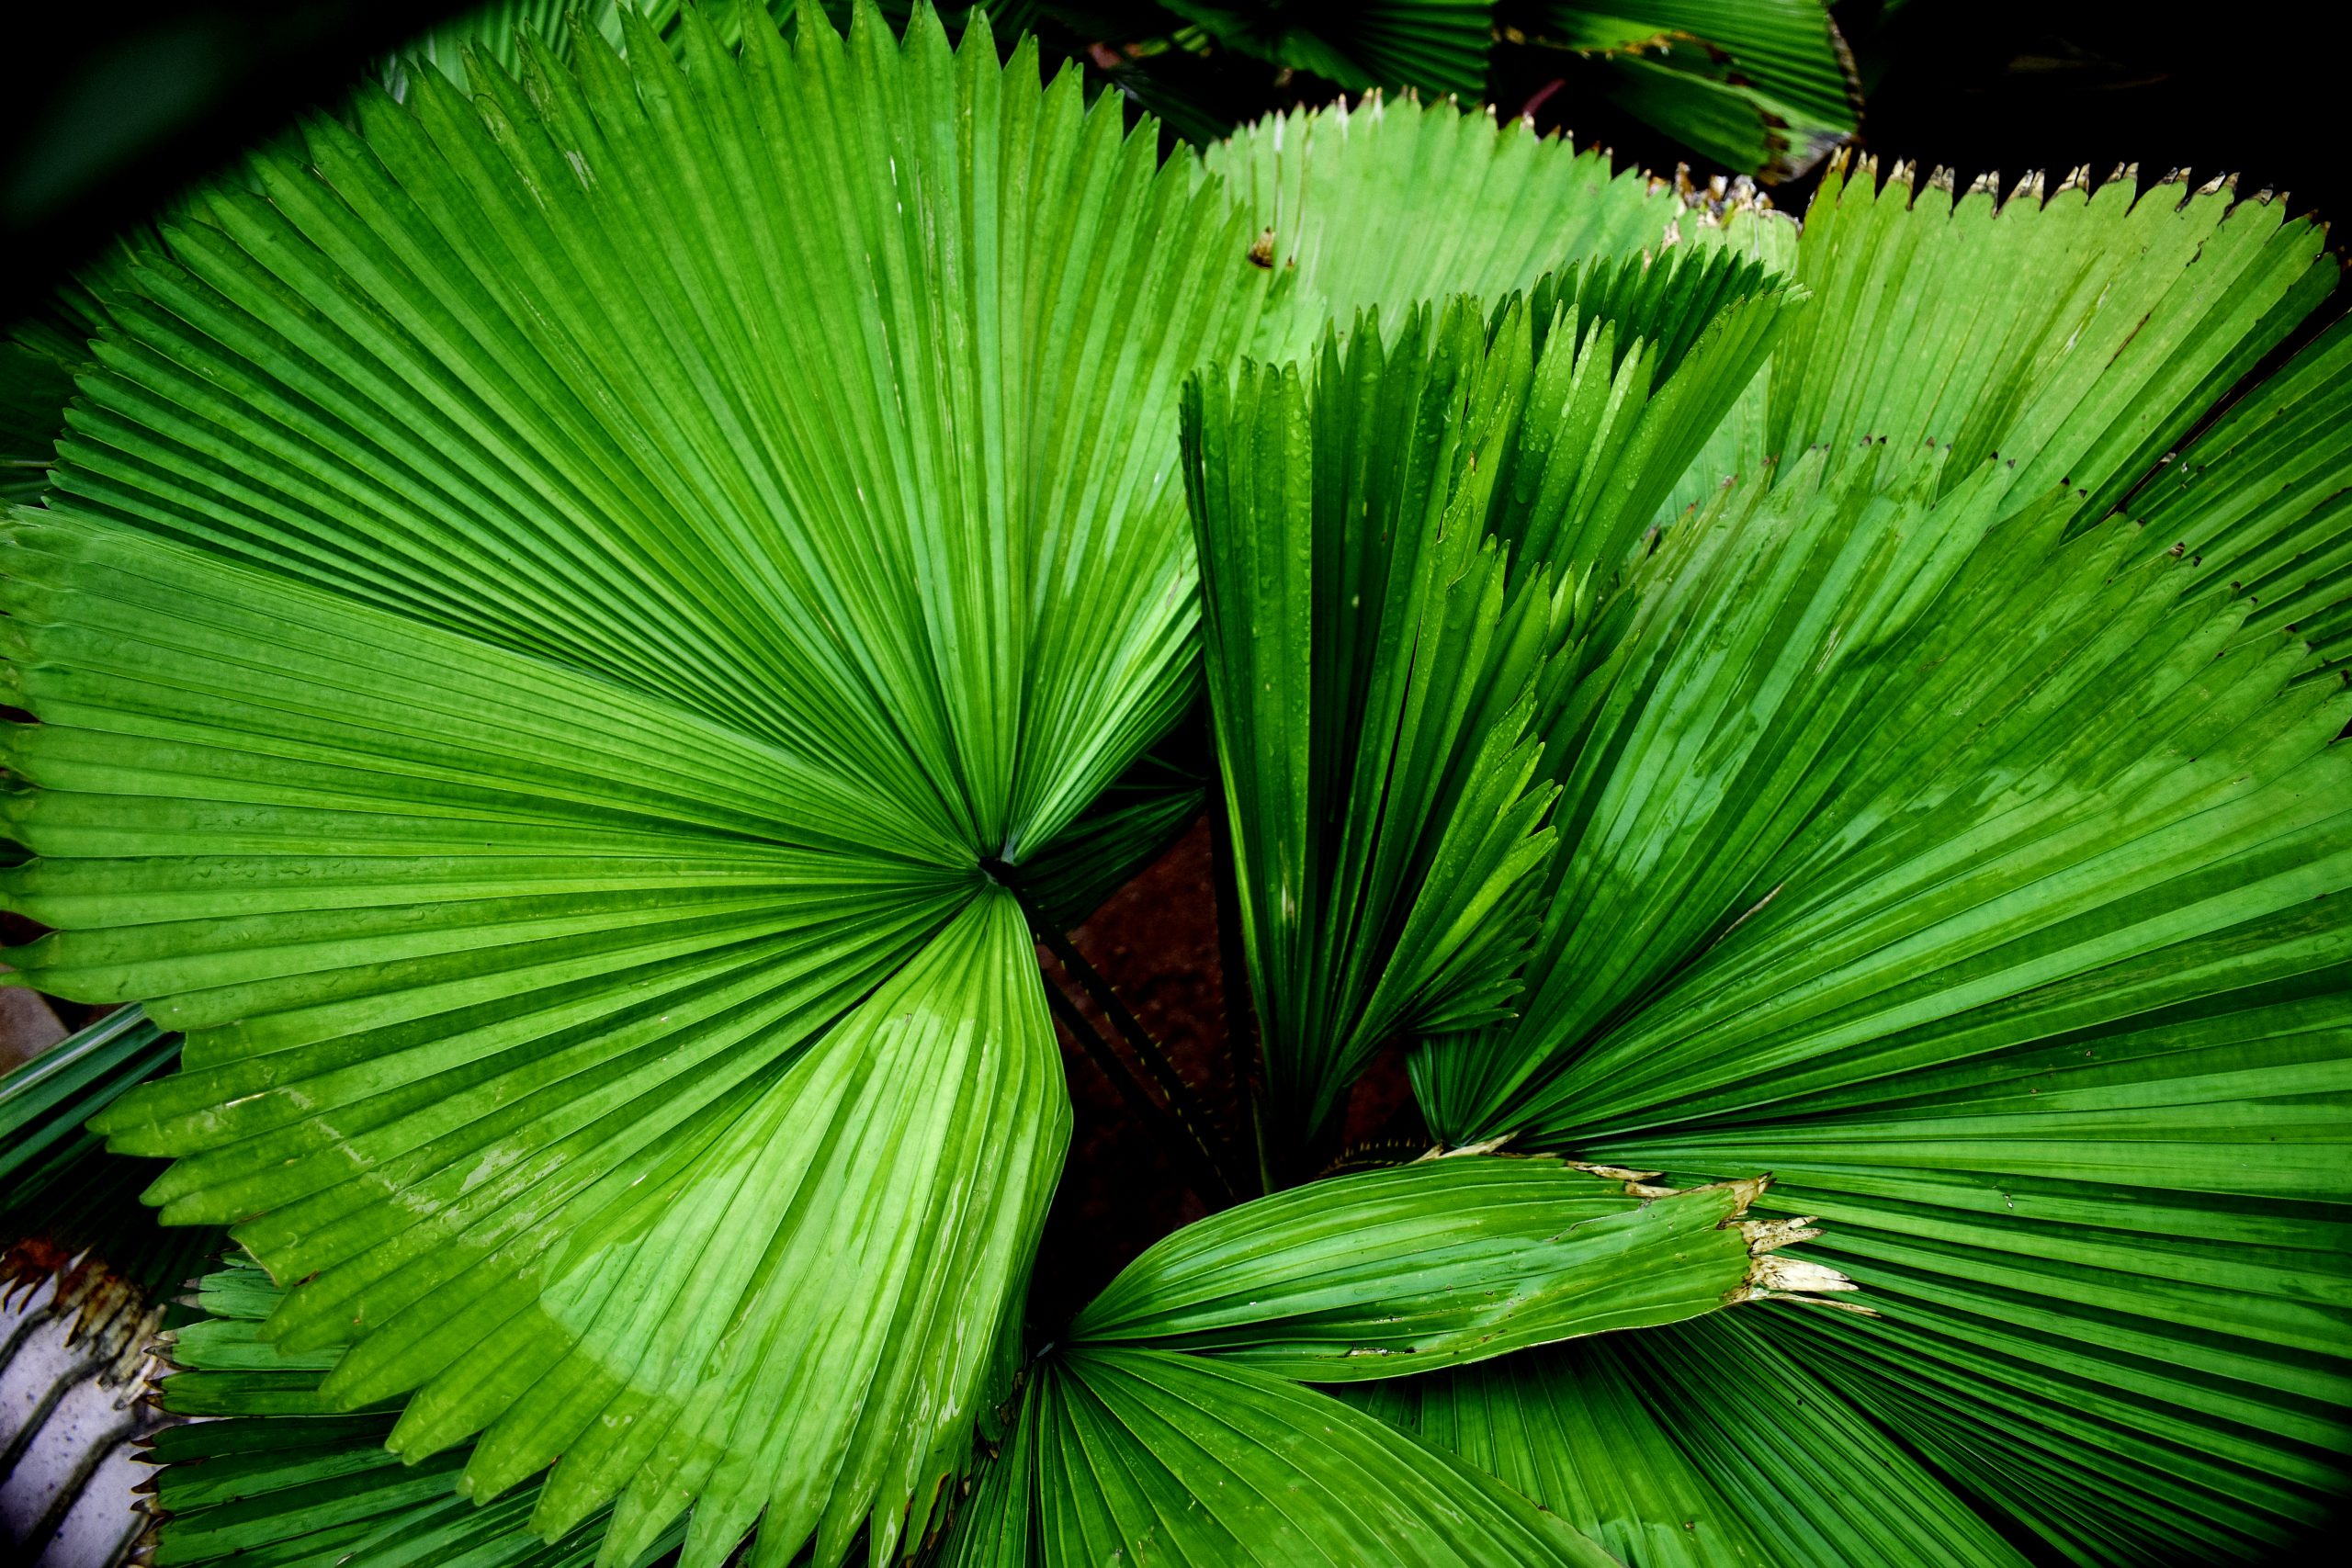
1436, 1263
1145, 1456
1387, 205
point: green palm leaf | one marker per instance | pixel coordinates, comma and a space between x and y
549, 601
2075, 335
1388, 204
275, 1476
2257, 502
1976, 871
1700, 1446
1761, 86
1975, 867
1149, 1456
1439, 1262
1382, 683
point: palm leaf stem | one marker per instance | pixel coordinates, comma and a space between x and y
1192, 1163
1242, 1044
1184, 1108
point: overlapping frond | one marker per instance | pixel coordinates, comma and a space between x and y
1984, 882
1150, 1456
1389, 204
1389, 647
561, 594
1703, 1445
1758, 86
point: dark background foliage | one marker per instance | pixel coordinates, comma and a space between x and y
112, 111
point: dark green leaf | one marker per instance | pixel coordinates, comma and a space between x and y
1761, 86
1382, 669
1700, 1446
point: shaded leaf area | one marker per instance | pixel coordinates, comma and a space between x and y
66, 1203
535, 775
276, 1475
495, 30
1139, 815
1433, 1263
1703, 1445
39, 359
1154, 1456
1405, 555
1761, 86
1437, 46
1122, 1186
45, 349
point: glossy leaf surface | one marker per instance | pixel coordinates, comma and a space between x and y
1433, 1263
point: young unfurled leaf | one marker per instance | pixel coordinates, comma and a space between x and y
1441, 1262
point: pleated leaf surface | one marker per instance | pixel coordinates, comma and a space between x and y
549, 598
1428, 1264
274, 1475
1388, 646
1389, 203
1985, 887
1702, 1445
1150, 1456
1759, 88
